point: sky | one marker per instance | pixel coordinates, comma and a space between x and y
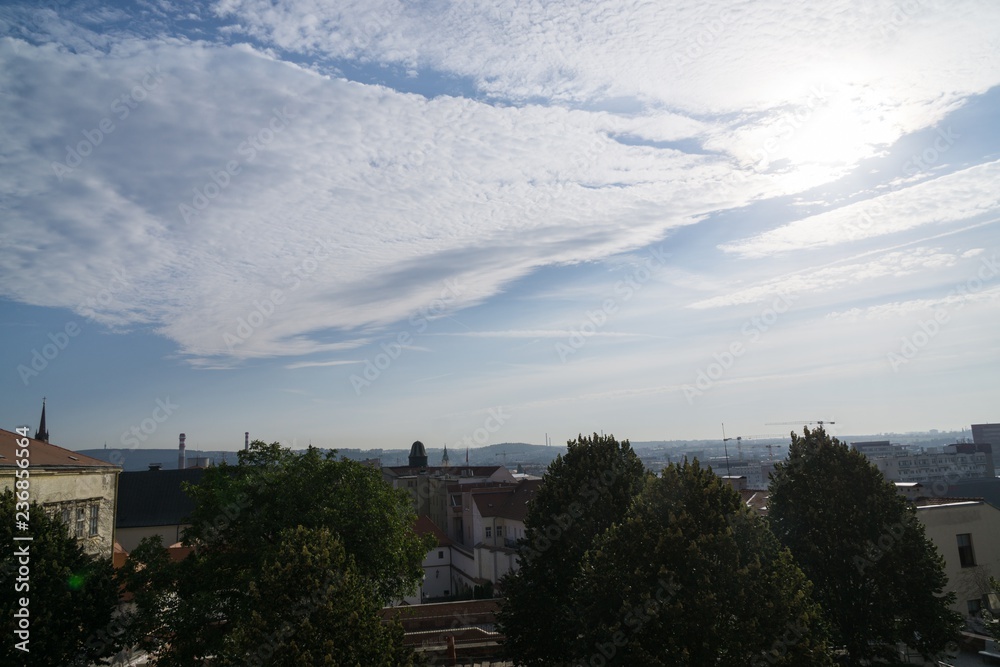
358, 224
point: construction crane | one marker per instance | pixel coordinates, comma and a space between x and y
770, 448
739, 446
726, 447
766, 436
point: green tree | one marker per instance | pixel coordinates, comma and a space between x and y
361, 549
71, 595
307, 600
876, 575
689, 578
585, 492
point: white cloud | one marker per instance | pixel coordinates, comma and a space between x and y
315, 210
892, 311
964, 195
321, 364
705, 56
883, 64
895, 264
369, 205
539, 333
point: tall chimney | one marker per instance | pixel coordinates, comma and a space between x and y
180, 454
246, 441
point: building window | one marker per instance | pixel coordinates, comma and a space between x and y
81, 521
489, 532
499, 531
440, 554
965, 553
974, 607
95, 510
65, 516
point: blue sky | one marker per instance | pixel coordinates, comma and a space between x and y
358, 224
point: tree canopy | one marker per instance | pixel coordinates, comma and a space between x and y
690, 577
876, 575
71, 594
585, 492
281, 538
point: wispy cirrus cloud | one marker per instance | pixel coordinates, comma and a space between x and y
537, 333
321, 364
965, 195
313, 209
889, 265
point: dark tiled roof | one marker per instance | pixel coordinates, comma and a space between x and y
44, 455
154, 497
507, 501
489, 504
516, 507
424, 526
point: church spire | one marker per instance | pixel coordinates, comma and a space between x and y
42, 433
444, 459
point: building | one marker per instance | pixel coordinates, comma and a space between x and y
442, 579
428, 485
876, 449
757, 473
949, 464
152, 502
77, 489
984, 448
487, 520
987, 434
479, 547
967, 534
498, 523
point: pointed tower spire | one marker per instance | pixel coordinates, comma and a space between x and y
42, 433
445, 463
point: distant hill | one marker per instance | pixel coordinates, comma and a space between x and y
509, 454
140, 459
506, 453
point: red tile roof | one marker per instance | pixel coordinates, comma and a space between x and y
43, 455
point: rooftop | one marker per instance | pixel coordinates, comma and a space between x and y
449, 471
45, 455
424, 526
155, 497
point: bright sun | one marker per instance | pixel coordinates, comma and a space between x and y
826, 132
